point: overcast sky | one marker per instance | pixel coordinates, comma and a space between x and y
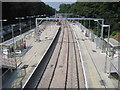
55, 3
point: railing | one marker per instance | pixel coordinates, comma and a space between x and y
8, 63
99, 42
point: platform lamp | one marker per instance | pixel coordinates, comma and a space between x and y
12, 26
2, 36
84, 20
46, 29
96, 20
83, 17
30, 17
20, 18
89, 24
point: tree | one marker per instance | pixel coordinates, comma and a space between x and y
109, 11
10, 10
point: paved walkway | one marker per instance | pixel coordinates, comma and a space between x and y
93, 62
32, 57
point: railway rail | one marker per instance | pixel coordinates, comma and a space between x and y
64, 69
102, 82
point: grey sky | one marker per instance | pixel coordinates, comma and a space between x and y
55, 3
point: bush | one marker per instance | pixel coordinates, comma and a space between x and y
113, 33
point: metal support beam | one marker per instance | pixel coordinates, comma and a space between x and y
37, 32
69, 19
39, 20
102, 28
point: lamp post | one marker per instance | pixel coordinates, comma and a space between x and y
14, 44
46, 36
101, 36
30, 17
107, 45
2, 36
97, 32
19, 18
37, 32
47, 30
89, 24
83, 22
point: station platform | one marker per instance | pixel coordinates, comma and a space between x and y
31, 57
93, 61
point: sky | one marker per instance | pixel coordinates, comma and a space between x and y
55, 3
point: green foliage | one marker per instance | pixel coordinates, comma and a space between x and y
114, 33
10, 10
96, 31
109, 11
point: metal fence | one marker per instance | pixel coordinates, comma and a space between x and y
99, 42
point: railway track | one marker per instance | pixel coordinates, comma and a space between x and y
64, 69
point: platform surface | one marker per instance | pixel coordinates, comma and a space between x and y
32, 57
93, 61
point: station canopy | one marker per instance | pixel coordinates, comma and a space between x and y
9, 42
112, 42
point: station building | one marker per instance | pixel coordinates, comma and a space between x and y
9, 50
112, 49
